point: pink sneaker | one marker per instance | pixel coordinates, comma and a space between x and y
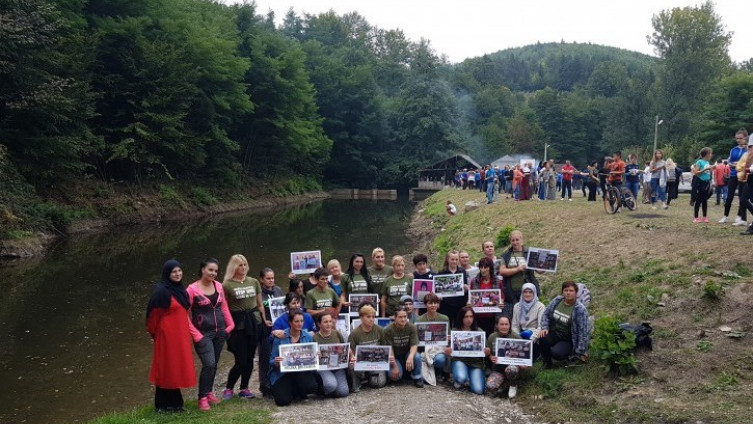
697, 220
212, 398
706, 219
204, 404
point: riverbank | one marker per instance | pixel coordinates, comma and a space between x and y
693, 282
97, 208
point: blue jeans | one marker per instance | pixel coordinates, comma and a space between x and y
400, 362
542, 191
462, 372
656, 189
634, 187
490, 191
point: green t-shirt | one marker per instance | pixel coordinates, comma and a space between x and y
358, 337
357, 286
394, 289
491, 341
334, 338
517, 280
378, 278
563, 320
438, 318
401, 339
241, 296
316, 300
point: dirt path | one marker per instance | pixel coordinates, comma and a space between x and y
405, 404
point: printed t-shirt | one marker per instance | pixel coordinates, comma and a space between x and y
378, 277
562, 317
401, 339
241, 296
358, 337
356, 286
394, 289
517, 280
316, 300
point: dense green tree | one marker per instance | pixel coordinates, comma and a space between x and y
692, 44
729, 108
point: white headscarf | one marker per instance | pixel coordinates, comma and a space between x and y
525, 307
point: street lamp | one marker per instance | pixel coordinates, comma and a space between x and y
656, 130
545, 147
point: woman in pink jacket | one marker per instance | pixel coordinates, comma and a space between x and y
210, 322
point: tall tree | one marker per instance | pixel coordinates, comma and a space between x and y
692, 44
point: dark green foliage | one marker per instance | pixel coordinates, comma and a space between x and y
503, 237
614, 346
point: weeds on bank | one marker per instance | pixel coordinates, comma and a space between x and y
232, 412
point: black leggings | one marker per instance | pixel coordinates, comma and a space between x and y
733, 185
701, 190
293, 385
208, 350
243, 347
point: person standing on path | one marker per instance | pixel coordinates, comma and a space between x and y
741, 137
567, 180
172, 363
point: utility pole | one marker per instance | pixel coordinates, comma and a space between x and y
545, 147
657, 122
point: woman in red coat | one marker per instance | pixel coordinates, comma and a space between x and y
167, 323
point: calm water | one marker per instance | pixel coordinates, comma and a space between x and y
74, 343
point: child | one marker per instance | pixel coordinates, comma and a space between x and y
451, 209
702, 188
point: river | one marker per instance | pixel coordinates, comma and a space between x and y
74, 343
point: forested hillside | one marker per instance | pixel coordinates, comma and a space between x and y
204, 99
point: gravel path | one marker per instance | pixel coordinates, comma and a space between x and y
404, 404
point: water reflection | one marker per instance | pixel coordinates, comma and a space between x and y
75, 344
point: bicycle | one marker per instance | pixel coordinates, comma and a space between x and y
615, 198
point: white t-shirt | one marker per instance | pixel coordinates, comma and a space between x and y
647, 174
452, 209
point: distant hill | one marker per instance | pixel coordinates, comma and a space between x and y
561, 66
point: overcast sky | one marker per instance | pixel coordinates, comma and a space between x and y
469, 28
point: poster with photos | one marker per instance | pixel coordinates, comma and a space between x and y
514, 352
420, 289
485, 300
544, 260
356, 300
372, 358
276, 308
468, 344
433, 333
305, 262
299, 357
343, 325
450, 285
334, 356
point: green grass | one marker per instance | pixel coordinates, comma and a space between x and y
232, 412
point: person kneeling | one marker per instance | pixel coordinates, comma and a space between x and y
289, 386
501, 374
564, 327
403, 337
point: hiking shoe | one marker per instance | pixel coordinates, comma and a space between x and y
723, 220
227, 394
246, 394
419, 383
739, 222
512, 392
204, 404
705, 219
212, 398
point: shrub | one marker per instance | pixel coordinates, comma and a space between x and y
614, 346
171, 196
713, 290
503, 238
202, 196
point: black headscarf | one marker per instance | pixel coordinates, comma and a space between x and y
166, 289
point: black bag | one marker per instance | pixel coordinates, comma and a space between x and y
642, 334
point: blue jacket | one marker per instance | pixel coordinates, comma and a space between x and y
578, 325
274, 372
734, 156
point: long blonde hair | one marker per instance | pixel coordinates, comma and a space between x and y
232, 265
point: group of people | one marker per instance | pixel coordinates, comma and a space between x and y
235, 314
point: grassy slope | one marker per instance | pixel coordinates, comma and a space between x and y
630, 264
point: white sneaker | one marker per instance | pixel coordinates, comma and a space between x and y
739, 222
562, 198
653, 207
664, 206
723, 220
570, 200
512, 392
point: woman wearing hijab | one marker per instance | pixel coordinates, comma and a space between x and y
527, 315
167, 323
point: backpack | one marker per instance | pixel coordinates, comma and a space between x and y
642, 334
